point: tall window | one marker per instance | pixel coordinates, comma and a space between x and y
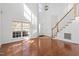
29, 15
20, 29
27, 12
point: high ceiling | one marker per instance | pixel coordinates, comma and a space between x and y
54, 9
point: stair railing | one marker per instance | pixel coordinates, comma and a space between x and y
64, 21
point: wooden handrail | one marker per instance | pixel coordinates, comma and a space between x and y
63, 18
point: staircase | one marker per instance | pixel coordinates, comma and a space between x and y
65, 21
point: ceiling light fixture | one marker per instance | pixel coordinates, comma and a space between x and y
46, 7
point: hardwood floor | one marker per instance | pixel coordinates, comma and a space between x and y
13, 48
40, 46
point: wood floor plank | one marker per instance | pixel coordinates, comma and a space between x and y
40, 46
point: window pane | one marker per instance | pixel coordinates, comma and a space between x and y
28, 17
17, 29
25, 33
26, 25
26, 8
14, 35
16, 26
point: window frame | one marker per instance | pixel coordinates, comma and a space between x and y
22, 27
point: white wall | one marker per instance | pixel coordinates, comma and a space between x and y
0, 30
45, 24
73, 28
10, 11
